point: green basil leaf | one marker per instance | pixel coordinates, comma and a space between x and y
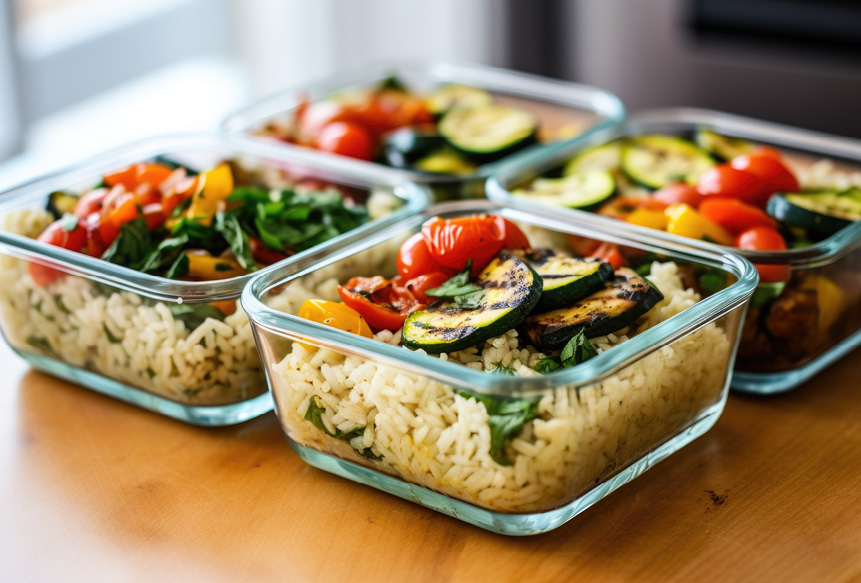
457, 285
506, 418
578, 350
193, 315
229, 227
132, 245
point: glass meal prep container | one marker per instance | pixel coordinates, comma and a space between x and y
792, 330
180, 348
565, 111
418, 426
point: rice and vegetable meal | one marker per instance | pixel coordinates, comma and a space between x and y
163, 219
479, 292
731, 191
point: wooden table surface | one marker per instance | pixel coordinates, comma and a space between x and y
94, 490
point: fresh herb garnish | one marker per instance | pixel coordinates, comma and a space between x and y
458, 285
111, 338
712, 281
506, 418
193, 315
223, 267
229, 227
576, 351
765, 292
131, 246
41, 343
314, 414
61, 306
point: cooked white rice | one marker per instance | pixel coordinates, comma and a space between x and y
428, 434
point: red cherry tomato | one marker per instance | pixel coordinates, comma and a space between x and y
514, 237
154, 215
770, 170
452, 242
768, 151
734, 215
609, 253
91, 202
583, 246
116, 212
765, 239
419, 285
383, 305
347, 139
57, 235
728, 182
678, 193
414, 259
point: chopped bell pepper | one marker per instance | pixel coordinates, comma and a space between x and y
685, 221
649, 218
217, 186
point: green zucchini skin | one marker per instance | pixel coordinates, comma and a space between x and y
567, 280
823, 213
605, 157
451, 96
586, 190
626, 296
488, 133
512, 289
656, 161
403, 147
723, 148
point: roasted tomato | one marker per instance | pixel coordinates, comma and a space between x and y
383, 304
770, 170
59, 235
347, 139
452, 242
734, 215
414, 259
765, 239
724, 181
419, 285
678, 193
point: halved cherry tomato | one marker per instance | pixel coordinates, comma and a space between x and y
734, 215
419, 285
384, 305
514, 237
262, 253
154, 215
115, 213
765, 239
452, 242
182, 190
57, 235
336, 315
414, 259
583, 246
770, 170
91, 202
137, 174
727, 182
678, 193
621, 207
609, 252
347, 139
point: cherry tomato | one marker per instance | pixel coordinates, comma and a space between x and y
384, 308
452, 242
347, 139
583, 246
262, 253
91, 202
678, 193
514, 237
419, 285
765, 239
154, 215
768, 151
609, 253
727, 182
414, 259
734, 215
771, 171
57, 235
336, 315
95, 245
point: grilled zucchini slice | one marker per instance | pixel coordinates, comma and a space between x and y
824, 213
490, 132
722, 147
606, 157
453, 96
626, 296
403, 147
586, 190
60, 203
510, 290
567, 280
656, 161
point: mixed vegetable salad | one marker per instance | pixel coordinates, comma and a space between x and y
167, 220
728, 191
466, 280
451, 130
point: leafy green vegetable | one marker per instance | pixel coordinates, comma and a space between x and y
131, 246
547, 364
111, 338
459, 285
150, 372
178, 268
61, 306
40, 343
193, 315
314, 414
163, 257
765, 292
393, 83
578, 350
713, 281
506, 418
229, 227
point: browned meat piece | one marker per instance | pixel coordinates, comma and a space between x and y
792, 319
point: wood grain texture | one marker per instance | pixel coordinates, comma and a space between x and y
94, 490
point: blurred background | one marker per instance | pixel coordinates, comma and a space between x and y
80, 76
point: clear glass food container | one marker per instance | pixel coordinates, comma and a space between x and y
417, 426
816, 319
154, 342
566, 111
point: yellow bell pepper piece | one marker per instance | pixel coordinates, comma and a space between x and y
217, 186
685, 221
829, 296
202, 265
336, 315
649, 218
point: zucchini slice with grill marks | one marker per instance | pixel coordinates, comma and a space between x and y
510, 289
584, 190
824, 213
489, 132
605, 157
453, 96
60, 203
626, 296
567, 280
722, 147
656, 161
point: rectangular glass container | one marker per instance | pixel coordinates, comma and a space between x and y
827, 273
580, 109
148, 340
407, 423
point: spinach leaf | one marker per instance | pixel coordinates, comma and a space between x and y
506, 418
577, 350
131, 246
765, 292
165, 255
229, 227
179, 267
200, 236
457, 285
193, 315
547, 364
712, 281
314, 414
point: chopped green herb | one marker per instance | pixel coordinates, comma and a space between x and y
193, 315
457, 285
765, 292
111, 338
60, 305
132, 245
506, 418
40, 343
179, 267
577, 351
229, 227
223, 267
547, 364
713, 281
314, 414
499, 368
150, 372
